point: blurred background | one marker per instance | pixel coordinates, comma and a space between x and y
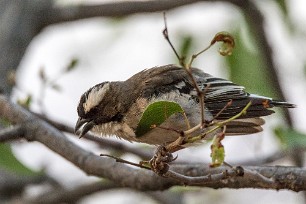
64, 59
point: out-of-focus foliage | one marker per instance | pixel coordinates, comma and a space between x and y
283, 6
291, 138
185, 48
246, 67
9, 162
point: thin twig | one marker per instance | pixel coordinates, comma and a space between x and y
166, 36
188, 70
125, 161
222, 110
197, 54
218, 125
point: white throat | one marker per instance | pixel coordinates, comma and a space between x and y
122, 130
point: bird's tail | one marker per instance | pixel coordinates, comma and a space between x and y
251, 122
244, 126
282, 104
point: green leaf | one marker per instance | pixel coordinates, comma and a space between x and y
10, 162
290, 138
217, 151
155, 114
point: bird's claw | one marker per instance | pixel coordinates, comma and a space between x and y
160, 161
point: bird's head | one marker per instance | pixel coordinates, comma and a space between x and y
98, 106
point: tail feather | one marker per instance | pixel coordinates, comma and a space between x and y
244, 126
269, 102
241, 130
260, 107
277, 103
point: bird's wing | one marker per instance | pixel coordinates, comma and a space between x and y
218, 92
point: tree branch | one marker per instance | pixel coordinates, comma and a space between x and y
167, 197
72, 195
61, 195
118, 9
142, 153
292, 178
11, 133
12, 184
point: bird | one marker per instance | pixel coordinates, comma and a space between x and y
115, 108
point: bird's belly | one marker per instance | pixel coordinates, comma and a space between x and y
158, 137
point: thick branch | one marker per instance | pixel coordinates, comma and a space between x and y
118, 9
22, 20
108, 144
285, 177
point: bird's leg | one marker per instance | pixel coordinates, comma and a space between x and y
161, 159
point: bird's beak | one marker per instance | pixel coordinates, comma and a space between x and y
88, 125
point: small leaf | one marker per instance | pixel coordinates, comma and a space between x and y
217, 151
155, 114
73, 63
228, 42
291, 138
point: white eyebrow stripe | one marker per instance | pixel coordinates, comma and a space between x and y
95, 96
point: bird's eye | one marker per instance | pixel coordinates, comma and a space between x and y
118, 117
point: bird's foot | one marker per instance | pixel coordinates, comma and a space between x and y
161, 159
